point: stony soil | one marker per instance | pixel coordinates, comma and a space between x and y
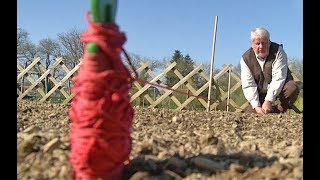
171, 145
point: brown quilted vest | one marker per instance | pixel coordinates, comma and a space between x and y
265, 75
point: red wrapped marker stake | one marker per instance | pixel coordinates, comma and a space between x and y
101, 114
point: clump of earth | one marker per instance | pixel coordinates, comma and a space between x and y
168, 144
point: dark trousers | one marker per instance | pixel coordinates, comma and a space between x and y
285, 99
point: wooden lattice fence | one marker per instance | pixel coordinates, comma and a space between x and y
43, 84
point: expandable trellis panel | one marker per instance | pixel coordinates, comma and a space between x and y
36, 73
30, 82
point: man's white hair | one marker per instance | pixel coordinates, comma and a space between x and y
259, 33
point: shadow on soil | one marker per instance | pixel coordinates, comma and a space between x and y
176, 167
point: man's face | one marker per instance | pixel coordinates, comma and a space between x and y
261, 47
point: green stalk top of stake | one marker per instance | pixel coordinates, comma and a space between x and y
102, 11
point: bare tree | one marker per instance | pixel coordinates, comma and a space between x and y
136, 60
26, 50
22, 36
49, 49
72, 47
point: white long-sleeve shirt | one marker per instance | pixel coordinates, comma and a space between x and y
279, 74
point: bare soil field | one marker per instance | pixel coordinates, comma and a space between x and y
170, 144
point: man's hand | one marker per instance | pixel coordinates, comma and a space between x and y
259, 110
266, 106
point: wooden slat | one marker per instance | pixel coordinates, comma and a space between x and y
34, 62
64, 67
66, 77
53, 80
71, 96
234, 88
40, 91
194, 71
137, 85
137, 94
193, 91
68, 99
18, 92
184, 104
175, 100
152, 75
141, 68
149, 99
243, 106
217, 76
233, 104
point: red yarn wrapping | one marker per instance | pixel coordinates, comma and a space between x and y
101, 113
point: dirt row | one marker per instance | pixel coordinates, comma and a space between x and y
171, 144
